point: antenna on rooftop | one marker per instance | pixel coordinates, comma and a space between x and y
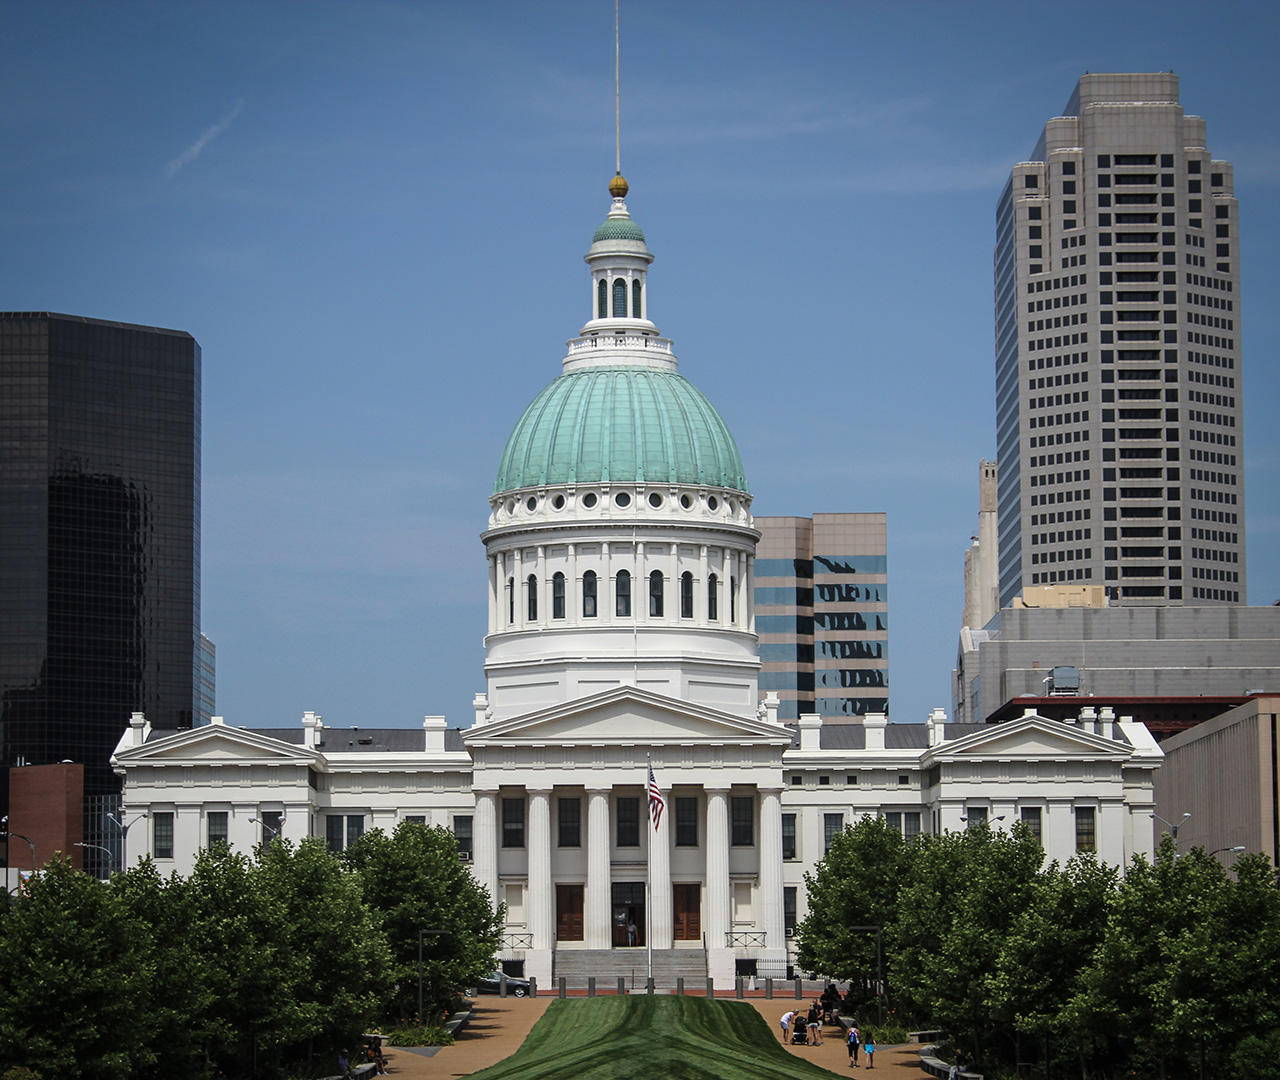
617, 92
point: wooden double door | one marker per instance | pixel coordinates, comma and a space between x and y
686, 901
628, 913
569, 926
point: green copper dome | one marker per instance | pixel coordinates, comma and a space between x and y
621, 425
619, 229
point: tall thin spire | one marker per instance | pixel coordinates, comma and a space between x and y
617, 91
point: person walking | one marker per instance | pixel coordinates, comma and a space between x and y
870, 1048
853, 1042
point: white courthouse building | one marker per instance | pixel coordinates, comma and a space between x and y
621, 634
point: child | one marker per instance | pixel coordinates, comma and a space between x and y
870, 1048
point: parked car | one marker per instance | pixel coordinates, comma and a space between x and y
490, 984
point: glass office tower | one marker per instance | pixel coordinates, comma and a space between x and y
100, 546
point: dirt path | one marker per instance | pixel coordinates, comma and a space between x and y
501, 1024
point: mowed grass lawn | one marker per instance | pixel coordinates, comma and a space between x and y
655, 1037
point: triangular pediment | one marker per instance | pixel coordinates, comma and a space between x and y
215, 742
1031, 737
629, 714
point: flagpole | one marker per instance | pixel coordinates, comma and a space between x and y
648, 878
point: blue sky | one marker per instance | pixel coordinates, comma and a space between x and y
372, 217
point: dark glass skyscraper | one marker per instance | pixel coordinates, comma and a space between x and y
99, 537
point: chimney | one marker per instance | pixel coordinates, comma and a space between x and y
874, 724
139, 729
481, 705
433, 728
1106, 722
771, 706
312, 726
937, 726
220, 721
810, 732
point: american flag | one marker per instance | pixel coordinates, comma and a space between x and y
656, 802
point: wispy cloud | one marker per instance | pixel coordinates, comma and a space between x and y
197, 148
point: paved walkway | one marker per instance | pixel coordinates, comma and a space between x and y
501, 1024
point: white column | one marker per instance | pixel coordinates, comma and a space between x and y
599, 898
572, 589
544, 589
493, 595
717, 907
484, 840
540, 899
771, 909
700, 587
661, 913
517, 589
749, 593
605, 600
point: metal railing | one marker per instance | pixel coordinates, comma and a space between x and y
752, 939
517, 941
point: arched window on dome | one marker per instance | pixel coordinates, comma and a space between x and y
533, 597
636, 308
686, 595
655, 594
733, 600
619, 298
557, 596
622, 594
589, 595
511, 601
713, 598
602, 300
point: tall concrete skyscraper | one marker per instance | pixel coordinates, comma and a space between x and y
1118, 374
822, 613
100, 545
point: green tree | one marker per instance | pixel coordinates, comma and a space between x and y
855, 884
954, 914
416, 881
1049, 943
74, 973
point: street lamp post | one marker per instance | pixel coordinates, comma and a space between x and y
1173, 829
1237, 849
99, 847
421, 935
275, 832
4, 826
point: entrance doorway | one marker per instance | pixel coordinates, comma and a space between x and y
628, 914
687, 921
568, 912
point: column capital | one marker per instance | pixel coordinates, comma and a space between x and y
484, 789
540, 790
775, 791
717, 789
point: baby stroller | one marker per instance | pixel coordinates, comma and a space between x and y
800, 1037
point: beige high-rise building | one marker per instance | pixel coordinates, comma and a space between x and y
1118, 355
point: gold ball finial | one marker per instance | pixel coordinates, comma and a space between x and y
618, 187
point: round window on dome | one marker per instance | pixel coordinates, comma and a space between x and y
713, 503
655, 500
589, 499
558, 502
686, 500
622, 499
531, 503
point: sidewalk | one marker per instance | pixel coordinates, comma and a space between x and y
501, 1024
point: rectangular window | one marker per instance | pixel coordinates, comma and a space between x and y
462, 834
832, 824
162, 826
272, 821
570, 822
513, 823
742, 817
334, 828
788, 836
686, 822
216, 820
1086, 830
911, 824
975, 815
1031, 819
628, 821
789, 909
416, 819
355, 828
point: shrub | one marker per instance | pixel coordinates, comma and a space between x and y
417, 1036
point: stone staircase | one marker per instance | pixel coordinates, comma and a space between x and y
575, 966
